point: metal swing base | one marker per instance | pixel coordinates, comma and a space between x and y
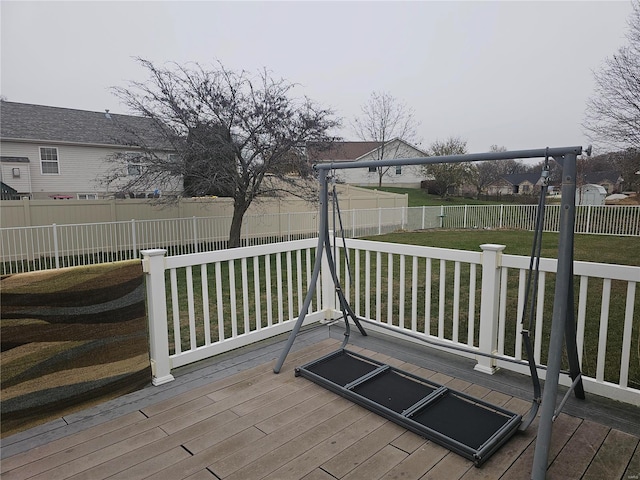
465, 425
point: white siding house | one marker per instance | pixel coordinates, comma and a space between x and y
402, 176
50, 152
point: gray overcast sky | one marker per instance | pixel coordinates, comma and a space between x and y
509, 73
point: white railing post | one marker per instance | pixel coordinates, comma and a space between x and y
328, 296
501, 215
153, 267
379, 221
489, 305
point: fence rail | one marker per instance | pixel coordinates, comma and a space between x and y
53, 246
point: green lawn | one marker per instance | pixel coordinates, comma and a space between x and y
588, 248
419, 197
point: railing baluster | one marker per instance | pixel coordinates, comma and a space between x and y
456, 300
191, 308
626, 336
390, 288
441, 298
604, 324
245, 295
257, 292
206, 316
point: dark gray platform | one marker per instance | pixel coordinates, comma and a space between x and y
466, 425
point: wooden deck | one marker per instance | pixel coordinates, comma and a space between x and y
232, 418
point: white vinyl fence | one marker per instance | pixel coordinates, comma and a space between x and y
53, 246
204, 304
225, 299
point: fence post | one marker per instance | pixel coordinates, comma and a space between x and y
501, 214
441, 215
404, 214
489, 305
134, 240
55, 245
588, 219
195, 233
379, 221
153, 267
353, 223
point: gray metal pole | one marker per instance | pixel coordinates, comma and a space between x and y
324, 213
560, 314
470, 157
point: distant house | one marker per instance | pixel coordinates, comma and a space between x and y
8, 193
398, 176
611, 180
60, 153
515, 184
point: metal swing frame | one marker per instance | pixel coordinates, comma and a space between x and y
563, 321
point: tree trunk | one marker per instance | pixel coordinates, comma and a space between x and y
236, 226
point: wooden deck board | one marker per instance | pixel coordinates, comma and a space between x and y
353, 456
321, 452
421, 460
377, 465
252, 424
633, 469
613, 457
575, 457
563, 429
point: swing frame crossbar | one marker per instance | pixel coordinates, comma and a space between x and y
563, 327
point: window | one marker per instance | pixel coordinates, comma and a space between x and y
49, 161
15, 172
399, 170
87, 196
134, 164
373, 169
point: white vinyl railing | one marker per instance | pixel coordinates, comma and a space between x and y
204, 304
53, 246
471, 299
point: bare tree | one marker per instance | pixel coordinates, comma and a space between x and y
445, 176
485, 173
231, 132
383, 119
613, 112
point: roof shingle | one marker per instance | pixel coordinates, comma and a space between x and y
339, 151
24, 121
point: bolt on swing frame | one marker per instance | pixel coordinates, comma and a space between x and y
563, 324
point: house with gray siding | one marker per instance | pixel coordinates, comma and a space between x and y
62, 153
400, 176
